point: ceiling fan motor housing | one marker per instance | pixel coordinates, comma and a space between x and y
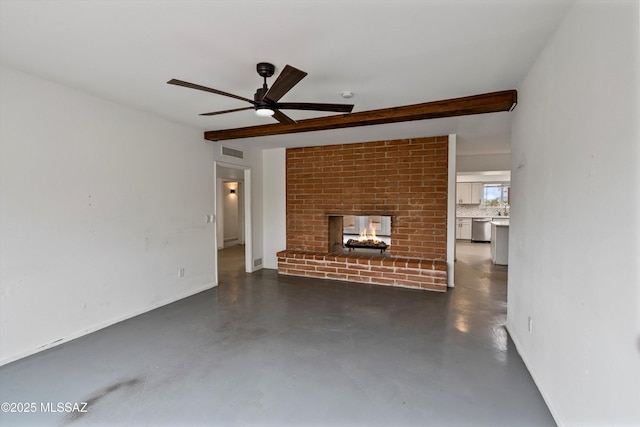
259, 95
259, 99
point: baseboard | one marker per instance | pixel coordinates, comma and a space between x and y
106, 324
554, 414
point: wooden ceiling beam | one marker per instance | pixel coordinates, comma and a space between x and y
477, 104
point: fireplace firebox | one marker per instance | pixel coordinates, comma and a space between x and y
362, 233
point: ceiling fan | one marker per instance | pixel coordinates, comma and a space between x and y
265, 101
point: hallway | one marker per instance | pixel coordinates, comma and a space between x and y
261, 349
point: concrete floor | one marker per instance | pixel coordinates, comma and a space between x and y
282, 351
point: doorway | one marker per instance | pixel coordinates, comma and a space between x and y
233, 216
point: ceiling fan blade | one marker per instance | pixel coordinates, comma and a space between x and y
287, 79
207, 89
340, 108
226, 111
283, 118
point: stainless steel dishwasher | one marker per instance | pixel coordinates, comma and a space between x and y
481, 230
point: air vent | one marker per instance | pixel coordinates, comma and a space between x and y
257, 262
226, 151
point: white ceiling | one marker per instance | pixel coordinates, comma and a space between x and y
388, 53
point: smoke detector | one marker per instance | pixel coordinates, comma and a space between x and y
347, 94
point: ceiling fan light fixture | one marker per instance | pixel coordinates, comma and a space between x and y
264, 112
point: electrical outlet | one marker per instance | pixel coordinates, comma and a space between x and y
530, 324
211, 218
181, 272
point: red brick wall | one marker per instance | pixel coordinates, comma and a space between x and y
407, 179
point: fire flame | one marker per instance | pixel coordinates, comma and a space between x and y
364, 236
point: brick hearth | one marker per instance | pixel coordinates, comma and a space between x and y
402, 272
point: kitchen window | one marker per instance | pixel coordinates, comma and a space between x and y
496, 194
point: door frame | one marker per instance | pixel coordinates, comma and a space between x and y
451, 211
246, 202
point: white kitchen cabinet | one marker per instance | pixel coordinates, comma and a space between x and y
463, 228
477, 193
463, 192
469, 193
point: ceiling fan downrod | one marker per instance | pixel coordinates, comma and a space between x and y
263, 107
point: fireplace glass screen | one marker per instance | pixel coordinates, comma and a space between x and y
360, 233
354, 225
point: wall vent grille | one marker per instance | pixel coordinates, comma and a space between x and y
226, 151
257, 262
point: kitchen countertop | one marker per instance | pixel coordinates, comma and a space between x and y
499, 223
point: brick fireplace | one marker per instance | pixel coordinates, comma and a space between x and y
406, 180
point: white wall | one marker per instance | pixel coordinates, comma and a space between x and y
483, 162
100, 206
491, 177
573, 250
254, 193
275, 205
